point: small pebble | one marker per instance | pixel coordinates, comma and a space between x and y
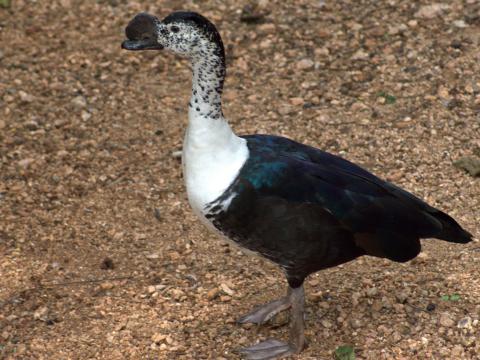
24, 163
31, 125
401, 297
213, 293
360, 55
305, 64
372, 291
465, 323
107, 264
177, 154
446, 320
268, 28
157, 214
460, 24
79, 102
326, 323
85, 115
296, 101
355, 323
25, 97
226, 289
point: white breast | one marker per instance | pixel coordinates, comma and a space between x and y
212, 158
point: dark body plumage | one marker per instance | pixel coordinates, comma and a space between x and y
307, 210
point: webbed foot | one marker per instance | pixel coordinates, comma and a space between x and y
271, 348
268, 349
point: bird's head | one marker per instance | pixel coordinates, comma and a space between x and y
185, 33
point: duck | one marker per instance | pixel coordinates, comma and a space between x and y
302, 208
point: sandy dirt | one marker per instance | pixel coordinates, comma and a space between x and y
100, 254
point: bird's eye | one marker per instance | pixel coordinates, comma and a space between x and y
175, 29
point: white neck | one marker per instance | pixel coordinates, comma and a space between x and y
212, 153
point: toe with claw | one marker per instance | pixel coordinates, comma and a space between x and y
262, 314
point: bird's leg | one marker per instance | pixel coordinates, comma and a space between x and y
297, 325
261, 314
275, 349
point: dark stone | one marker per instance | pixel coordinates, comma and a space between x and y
107, 264
456, 44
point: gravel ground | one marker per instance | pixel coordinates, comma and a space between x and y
100, 255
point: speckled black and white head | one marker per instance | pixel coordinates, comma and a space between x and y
183, 32
190, 35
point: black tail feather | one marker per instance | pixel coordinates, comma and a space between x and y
452, 231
